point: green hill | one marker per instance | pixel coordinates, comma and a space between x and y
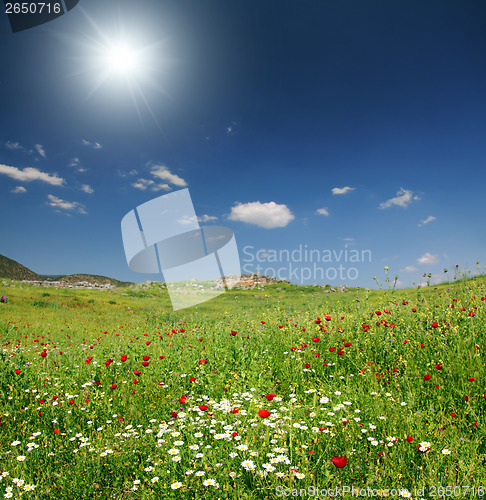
12, 270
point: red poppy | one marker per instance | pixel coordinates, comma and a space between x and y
146, 358
438, 366
98, 382
71, 401
316, 339
233, 333
108, 362
453, 414
137, 372
378, 313
263, 322
113, 386
339, 462
307, 366
43, 354
466, 398
470, 379
409, 439
332, 349
57, 431
340, 352
347, 344
203, 361
427, 377
264, 413
145, 363
234, 411
192, 379
18, 372
435, 325
135, 381
174, 414
271, 396
182, 400
148, 342
123, 358
203, 407
234, 434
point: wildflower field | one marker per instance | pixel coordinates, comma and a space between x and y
111, 394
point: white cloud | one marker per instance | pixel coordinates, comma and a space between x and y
19, 189
187, 220
409, 269
267, 215
230, 129
68, 206
94, 144
206, 218
323, 211
40, 150
403, 198
428, 258
144, 184
164, 174
159, 187
13, 145
30, 174
430, 218
76, 163
87, 189
343, 190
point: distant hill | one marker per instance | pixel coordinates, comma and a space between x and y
10, 269
93, 279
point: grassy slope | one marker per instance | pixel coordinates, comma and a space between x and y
68, 316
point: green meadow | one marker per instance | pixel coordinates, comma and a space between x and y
261, 393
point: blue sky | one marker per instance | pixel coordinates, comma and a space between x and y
319, 125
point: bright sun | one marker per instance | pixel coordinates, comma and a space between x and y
121, 59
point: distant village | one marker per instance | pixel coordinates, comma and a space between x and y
246, 281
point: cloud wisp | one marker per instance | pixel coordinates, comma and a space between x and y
64, 206
403, 198
31, 174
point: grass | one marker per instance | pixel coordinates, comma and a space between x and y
183, 415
